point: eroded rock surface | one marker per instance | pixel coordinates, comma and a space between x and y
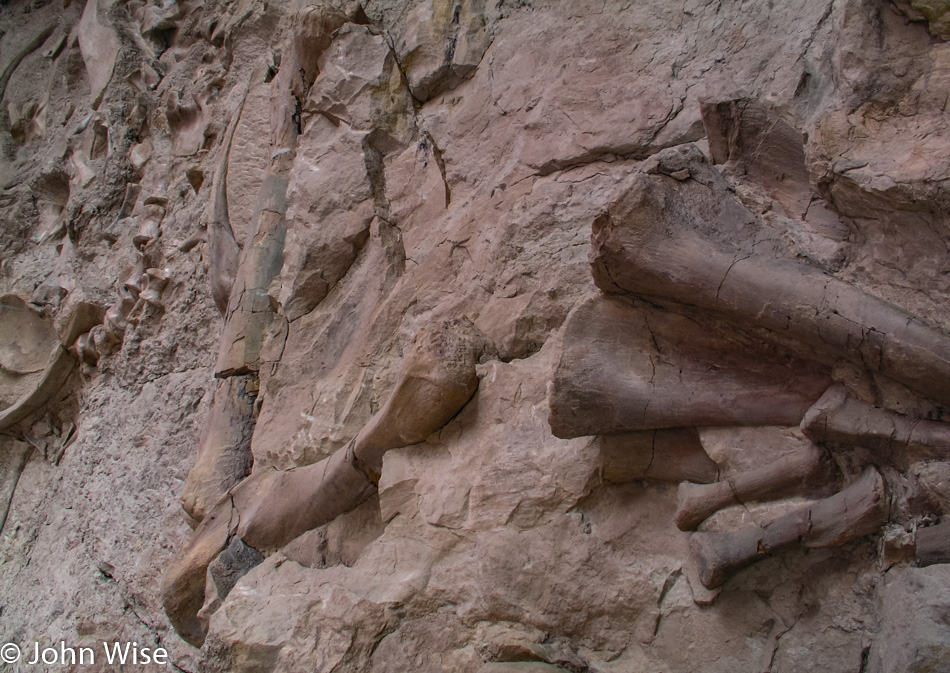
477, 336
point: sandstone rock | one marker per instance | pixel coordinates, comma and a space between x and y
912, 622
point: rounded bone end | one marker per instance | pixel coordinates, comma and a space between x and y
720, 555
697, 502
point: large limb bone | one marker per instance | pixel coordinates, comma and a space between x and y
803, 472
272, 507
840, 419
266, 510
858, 510
630, 367
694, 244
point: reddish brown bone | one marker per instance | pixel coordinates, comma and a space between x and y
694, 244
628, 366
803, 472
933, 544
858, 510
224, 455
272, 507
839, 419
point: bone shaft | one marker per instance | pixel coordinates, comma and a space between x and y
827, 317
786, 476
854, 512
224, 456
662, 455
840, 419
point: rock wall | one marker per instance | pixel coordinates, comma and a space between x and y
477, 336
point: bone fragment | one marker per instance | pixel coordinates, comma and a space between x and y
250, 310
803, 472
656, 241
437, 379
858, 510
840, 419
59, 366
223, 249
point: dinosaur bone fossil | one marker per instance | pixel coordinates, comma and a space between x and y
858, 510
807, 471
659, 455
932, 544
33, 363
651, 369
224, 453
840, 419
694, 244
272, 507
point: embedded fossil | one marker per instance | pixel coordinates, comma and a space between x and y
858, 510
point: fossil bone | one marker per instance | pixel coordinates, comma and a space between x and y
661, 455
933, 544
806, 471
858, 510
272, 507
224, 454
840, 419
33, 363
652, 369
653, 241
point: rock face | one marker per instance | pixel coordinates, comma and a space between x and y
477, 336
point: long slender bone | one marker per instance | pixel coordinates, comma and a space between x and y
694, 244
806, 471
627, 367
840, 419
272, 507
224, 455
858, 510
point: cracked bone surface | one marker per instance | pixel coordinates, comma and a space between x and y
807, 471
224, 454
652, 369
272, 507
693, 243
838, 418
858, 510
